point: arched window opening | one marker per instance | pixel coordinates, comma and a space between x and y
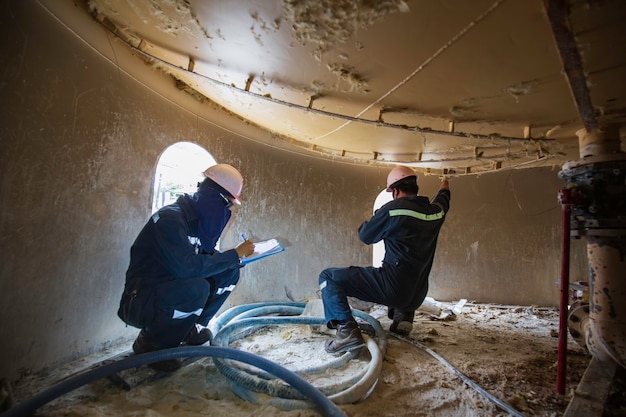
379, 248
178, 171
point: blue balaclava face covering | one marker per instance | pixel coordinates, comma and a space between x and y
212, 213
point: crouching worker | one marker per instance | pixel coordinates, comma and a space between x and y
177, 281
409, 226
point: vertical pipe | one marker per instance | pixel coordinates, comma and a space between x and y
564, 200
596, 207
606, 338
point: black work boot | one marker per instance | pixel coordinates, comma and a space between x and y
402, 322
144, 344
348, 337
198, 336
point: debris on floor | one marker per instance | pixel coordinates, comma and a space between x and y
510, 351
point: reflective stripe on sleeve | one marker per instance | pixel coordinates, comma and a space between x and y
184, 314
417, 215
222, 290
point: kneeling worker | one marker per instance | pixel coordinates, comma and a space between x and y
409, 225
177, 281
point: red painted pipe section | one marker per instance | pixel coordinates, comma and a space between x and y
564, 201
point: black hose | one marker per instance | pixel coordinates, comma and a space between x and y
28, 407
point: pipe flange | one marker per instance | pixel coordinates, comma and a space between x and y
619, 157
578, 315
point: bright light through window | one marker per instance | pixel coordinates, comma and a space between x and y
179, 170
379, 248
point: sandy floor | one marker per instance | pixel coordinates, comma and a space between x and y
509, 352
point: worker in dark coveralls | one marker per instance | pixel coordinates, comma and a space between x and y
177, 281
409, 226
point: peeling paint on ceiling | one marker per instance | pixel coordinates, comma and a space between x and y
465, 87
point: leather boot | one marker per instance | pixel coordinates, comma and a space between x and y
402, 322
198, 336
348, 337
144, 344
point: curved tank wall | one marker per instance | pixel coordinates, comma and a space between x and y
80, 139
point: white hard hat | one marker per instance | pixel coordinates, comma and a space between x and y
228, 177
397, 174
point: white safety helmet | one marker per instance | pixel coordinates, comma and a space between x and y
228, 177
397, 174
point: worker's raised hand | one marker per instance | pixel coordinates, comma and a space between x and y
444, 183
245, 248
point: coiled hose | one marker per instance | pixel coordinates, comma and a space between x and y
249, 384
239, 319
28, 407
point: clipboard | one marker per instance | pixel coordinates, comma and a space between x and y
263, 250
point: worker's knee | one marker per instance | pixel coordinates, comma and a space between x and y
325, 275
185, 295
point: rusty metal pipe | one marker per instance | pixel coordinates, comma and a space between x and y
606, 335
564, 200
598, 184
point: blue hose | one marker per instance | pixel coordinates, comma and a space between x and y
232, 312
28, 407
250, 383
260, 311
252, 324
241, 377
237, 313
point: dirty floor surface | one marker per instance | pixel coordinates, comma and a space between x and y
509, 351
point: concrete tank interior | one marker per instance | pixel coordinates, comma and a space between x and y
314, 103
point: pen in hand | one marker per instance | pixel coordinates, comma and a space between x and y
245, 248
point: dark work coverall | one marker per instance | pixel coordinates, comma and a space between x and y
409, 227
176, 278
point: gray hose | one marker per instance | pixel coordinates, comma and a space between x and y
504, 406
